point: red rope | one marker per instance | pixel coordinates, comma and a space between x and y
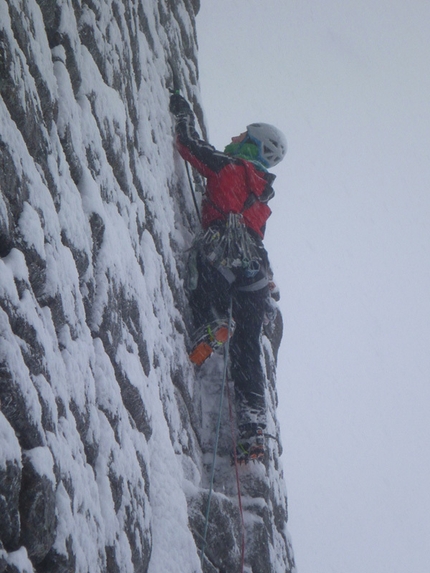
236, 467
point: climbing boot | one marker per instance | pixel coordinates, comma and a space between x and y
210, 338
250, 446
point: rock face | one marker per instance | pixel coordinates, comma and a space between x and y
106, 430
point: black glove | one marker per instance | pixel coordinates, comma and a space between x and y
179, 105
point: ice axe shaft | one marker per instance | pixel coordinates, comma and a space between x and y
176, 83
176, 88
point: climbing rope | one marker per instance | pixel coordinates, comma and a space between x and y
223, 385
236, 468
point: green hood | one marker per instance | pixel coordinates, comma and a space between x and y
247, 151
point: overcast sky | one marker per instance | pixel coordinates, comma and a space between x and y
349, 239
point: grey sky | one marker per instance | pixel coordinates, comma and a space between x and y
349, 239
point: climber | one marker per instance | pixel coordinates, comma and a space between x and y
229, 260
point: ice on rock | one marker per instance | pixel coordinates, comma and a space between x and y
102, 414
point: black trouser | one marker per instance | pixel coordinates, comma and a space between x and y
210, 301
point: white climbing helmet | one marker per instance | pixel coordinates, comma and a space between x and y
271, 142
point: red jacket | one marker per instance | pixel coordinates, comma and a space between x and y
233, 185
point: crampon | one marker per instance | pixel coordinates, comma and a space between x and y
250, 449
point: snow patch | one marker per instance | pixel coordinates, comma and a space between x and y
42, 461
19, 560
31, 229
10, 449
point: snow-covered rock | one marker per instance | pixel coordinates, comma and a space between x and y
106, 430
